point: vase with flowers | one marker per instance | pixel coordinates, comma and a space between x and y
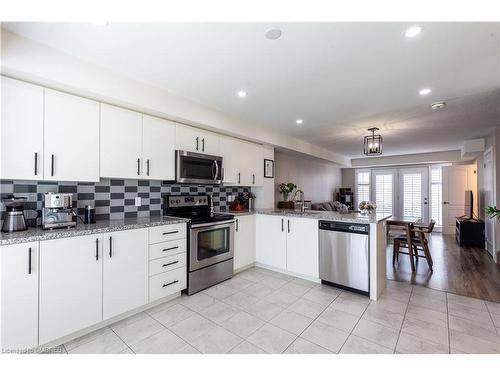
286, 188
367, 207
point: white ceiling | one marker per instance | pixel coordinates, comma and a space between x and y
341, 78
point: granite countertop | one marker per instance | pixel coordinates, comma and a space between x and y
327, 215
38, 234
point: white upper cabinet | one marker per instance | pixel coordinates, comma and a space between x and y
70, 285
192, 139
158, 148
243, 162
121, 142
253, 165
71, 138
22, 130
19, 282
233, 160
125, 270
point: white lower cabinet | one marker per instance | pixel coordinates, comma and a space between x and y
19, 291
70, 285
244, 241
302, 247
288, 243
271, 241
125, 271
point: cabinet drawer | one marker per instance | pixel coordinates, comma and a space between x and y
163, 249
167, 264
167, 233
167, 283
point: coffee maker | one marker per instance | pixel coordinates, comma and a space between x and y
57, 211
14, 214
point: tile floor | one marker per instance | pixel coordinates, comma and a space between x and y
260, 311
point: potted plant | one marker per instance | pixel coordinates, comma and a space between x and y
492, 212
285, 189
367, 207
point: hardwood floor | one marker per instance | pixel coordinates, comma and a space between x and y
461, 270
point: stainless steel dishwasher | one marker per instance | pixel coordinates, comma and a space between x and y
344, 255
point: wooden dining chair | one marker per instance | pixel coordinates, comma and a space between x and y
416, 242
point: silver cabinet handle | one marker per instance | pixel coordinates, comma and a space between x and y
36, 163
239, 177
138, 166
167, 284
288, 226
282, 225
172, 232
29, 261
110, 246
52, 160
197, 143
97, 249
237, 225
169, 264
203, 145
253, 179
170, 248
147, 167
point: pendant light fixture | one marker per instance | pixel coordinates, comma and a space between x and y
373, 143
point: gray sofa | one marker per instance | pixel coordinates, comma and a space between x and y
330, 206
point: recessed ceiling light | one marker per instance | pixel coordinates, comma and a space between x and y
242, 94
438, 105
413, 31
425, 91
273, 34
299, 121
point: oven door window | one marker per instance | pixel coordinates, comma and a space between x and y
197, 168
213, 242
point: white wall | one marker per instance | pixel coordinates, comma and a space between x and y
318, 179
33, 62
264, 196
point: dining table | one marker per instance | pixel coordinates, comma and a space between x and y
403, 221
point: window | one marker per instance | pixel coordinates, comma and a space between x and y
436, 198
363, 186
383, 193
412, 194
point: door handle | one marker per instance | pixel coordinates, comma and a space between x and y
52, 158
97, 249
446, 202
110, 246
197, 143
138, 166
36, 163
147, 167
203, 145
29, 261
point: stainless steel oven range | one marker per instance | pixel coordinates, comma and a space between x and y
210, 240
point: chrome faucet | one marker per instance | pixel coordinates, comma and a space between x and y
302, 207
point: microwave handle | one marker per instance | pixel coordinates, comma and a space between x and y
216, 169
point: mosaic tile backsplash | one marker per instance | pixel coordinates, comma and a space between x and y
112, 198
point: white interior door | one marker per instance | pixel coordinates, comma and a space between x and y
383, 182
413, 194
489, 200
454, 187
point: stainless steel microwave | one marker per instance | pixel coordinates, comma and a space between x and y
195, 168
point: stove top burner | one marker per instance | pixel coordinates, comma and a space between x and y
197, 208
